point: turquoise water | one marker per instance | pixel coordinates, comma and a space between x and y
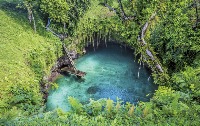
111, 73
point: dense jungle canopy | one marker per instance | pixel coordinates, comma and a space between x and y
165, 36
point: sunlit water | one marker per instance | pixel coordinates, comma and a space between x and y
111, 73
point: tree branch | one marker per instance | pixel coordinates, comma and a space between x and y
121, 13
141, 40
61, 36
197, 14
30, 15
144, 29
110, 8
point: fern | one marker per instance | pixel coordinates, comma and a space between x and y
76, 106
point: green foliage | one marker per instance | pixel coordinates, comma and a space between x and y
96, 107
25, 58
9, 114
76, 106
172, 113
188, 82
64, 13
109, 105
57, 9
172, 105
174, 38
96, 22
54, 86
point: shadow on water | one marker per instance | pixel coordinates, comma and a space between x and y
111, 73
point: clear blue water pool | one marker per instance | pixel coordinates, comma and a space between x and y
111, 72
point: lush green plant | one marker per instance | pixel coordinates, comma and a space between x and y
172, 113
188, 82
77, 107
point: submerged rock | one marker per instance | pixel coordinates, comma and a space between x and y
93, 90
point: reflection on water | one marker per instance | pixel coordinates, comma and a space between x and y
111, 73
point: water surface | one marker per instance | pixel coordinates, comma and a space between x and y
111, 73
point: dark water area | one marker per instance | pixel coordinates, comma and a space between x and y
111, 72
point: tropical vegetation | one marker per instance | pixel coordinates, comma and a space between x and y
165, 35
